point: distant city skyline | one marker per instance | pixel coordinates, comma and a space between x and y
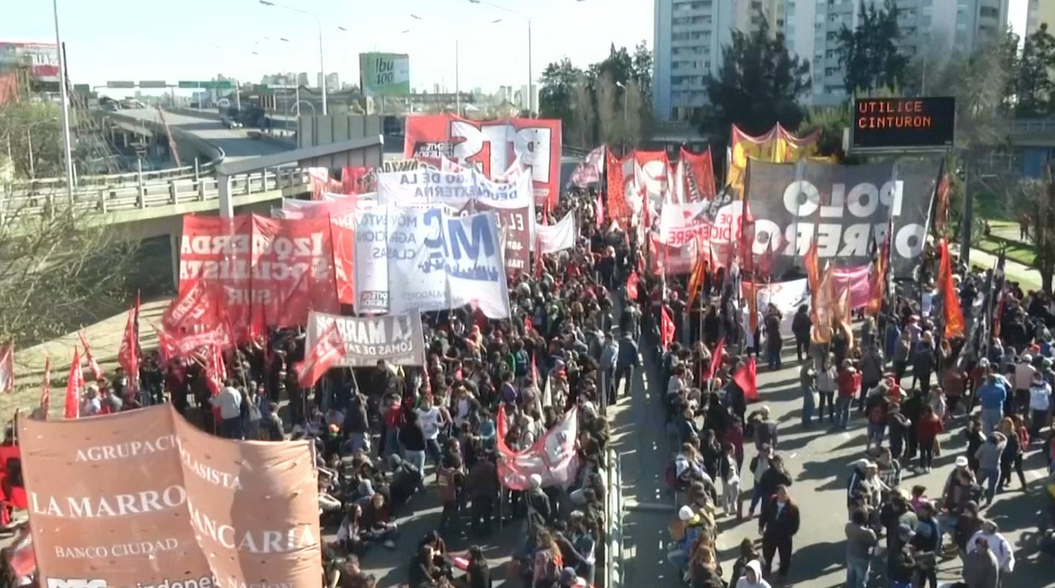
109, 40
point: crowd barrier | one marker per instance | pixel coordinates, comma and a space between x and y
612, 558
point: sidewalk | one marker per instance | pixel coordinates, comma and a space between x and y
1027, 277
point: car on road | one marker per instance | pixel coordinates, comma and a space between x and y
230, 122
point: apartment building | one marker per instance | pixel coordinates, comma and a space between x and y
812, 27
689, 38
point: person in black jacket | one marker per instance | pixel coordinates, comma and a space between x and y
778, 523
800, 326
774, 478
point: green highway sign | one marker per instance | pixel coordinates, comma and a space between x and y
152, 84
120, 84
208, 85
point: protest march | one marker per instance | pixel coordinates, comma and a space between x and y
445, 342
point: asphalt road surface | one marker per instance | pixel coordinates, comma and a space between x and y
235, 142
818, 462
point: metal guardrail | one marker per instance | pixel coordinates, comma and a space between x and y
613, 516
1033, 126
150, 195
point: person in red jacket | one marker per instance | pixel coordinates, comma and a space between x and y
927, 431
849, 386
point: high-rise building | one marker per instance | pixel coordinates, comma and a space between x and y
302, 78
1040, 12
811, 29
522, 99
333, 81
689, 39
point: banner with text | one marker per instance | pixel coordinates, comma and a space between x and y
491, 147
470, 191
384, 74
143, 498
425, 259
558, 237
269, 271
845, 209
397, 339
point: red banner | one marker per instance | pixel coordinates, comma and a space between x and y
491, 146
618, 208
271, 271
675, 261
74, 387
328, 351
93, 366
697, 175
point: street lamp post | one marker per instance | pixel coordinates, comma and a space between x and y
531, 94
322, 59
65, 99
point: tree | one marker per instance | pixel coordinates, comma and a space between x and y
1036, 199
557, 88
830, 122
757, 86
642, 72
60, 267
869, 53
583, 127
31, 133
605, 94
1034, 88
633, 123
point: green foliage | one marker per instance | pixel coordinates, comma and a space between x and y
759, 85
1033, 86
31, 133
609, 101
869, 53
831, 122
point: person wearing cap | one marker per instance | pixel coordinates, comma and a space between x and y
1039, 404
569, 579
902, 564
684, 532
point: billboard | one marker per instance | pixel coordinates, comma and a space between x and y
42, 59
903, 124
384, 74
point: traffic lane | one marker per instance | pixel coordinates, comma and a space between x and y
819, 463
235, 143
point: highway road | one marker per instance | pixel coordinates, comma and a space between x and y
235, 143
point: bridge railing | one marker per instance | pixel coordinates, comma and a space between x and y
1033, 126
143, 196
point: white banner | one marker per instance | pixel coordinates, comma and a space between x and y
681, 223
558, 237
397, 339
786, 296
423, 259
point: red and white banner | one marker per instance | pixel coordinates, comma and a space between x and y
93, 366
491, 146
671, 260
271, 271
552, 457
651, 177
7, 367
74, 387
328, 352
590, 170
682, 223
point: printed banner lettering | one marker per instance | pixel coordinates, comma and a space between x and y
491, 146
845, 209
143, 498
271, 271
397, 339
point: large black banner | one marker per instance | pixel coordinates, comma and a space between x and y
845, 209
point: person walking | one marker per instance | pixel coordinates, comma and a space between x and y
860, 541
778, 525
1039, 404
988, 457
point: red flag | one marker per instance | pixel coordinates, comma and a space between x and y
746, 379
215, 369
7, 367
697, 276
716, 358
615, 182
954, 325
74, 387
666, 333
328, 350
45, 389
631, 286
128, 356
97, 372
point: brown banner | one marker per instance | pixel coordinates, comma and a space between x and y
142, 498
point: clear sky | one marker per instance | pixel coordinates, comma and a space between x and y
197, 39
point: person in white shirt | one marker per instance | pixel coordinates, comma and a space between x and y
1005, 555
431, 419
92, 405
1039, 405
229, 401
